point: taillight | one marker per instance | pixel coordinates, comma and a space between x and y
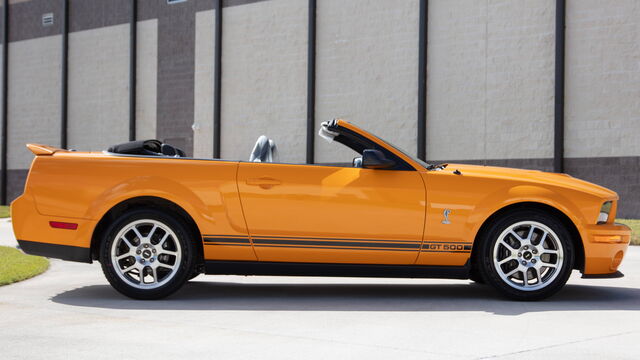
63, 225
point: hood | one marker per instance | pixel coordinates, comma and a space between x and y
534, 176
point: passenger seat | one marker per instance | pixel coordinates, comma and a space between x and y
264, 150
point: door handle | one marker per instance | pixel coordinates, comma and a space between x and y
263, 182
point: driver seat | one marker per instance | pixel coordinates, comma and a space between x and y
264, 151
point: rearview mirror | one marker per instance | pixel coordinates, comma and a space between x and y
375, 159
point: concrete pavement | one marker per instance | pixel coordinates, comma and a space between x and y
72, 312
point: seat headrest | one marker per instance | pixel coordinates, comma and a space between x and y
264, 150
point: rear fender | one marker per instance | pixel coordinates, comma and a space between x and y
149, 186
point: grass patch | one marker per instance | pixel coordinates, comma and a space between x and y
4, 211
634, 224
16, 266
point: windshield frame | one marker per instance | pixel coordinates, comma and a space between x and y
422, 163
338, 125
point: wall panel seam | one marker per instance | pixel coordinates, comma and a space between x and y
5, 87
217, 79
558, 143
422, 80
311, 82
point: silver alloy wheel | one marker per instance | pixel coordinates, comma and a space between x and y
528, 256
146, 254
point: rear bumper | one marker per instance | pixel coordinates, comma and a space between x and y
64, 252
36, 236
615, 275
604, 248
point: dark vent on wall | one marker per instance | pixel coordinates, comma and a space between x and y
47, 19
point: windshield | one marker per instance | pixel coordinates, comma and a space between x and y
422, 163
331, 131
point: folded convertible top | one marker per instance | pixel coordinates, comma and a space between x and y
146, 147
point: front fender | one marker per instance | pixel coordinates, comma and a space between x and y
502, 198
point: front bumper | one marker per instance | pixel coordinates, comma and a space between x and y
604, 248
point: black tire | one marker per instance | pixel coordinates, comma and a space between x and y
183, 269
193, 276
477, 278
511, 287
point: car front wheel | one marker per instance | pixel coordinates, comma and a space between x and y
527, 255
147, 254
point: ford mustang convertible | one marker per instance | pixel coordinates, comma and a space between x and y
154, 219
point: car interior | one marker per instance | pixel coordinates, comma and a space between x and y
266, 151
147, 147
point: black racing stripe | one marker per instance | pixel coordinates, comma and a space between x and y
446, 242
326, 247
335, 243
447, 251
337, 239
227, 240
226, 244
225, 236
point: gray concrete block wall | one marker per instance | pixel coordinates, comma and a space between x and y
15, 182
92, 14
98, 88
456, 62
1, 89
33, 98
147, 79
619, 173
25, 19
176, 51
204, 78
367, 70
602, 79
489, 91
490, 79
264, 62
520, 79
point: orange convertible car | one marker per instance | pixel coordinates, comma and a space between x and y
154, 219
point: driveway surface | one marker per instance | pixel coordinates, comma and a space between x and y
71, 312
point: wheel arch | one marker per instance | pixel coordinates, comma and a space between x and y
145, 201
576, 238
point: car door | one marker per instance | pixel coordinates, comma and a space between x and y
326, 214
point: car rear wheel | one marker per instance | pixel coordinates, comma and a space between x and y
147, 254
527, 255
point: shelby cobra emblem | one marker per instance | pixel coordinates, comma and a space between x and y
446, 213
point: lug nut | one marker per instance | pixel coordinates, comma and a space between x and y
152, 259
138, 252
519, 254
142, 261
533, 261
146, 245
535, 251
154, 251
523, 262
526, 247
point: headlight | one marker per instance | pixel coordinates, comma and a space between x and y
604, 212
